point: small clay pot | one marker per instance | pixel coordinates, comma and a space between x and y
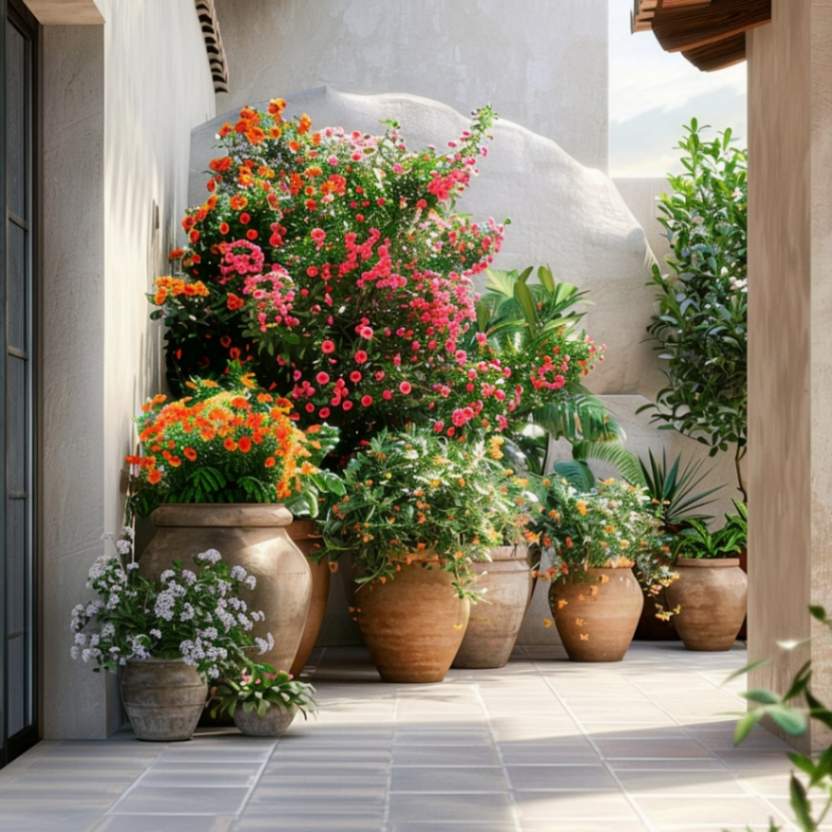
494, 623
413, 624
596, 613
274, 723
712, 594
252, 535
307, 538
163, 699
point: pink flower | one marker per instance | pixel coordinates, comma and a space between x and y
360, 357
366, 332
387, 395
405, 387
328, 347
355, 376
323, 413
366, 400
346, 404
318, 236
322, 378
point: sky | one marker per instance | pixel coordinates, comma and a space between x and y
653, 93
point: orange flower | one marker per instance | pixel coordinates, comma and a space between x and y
244, 444
270, 462
230, 444
304, 123
190, 454
154, 475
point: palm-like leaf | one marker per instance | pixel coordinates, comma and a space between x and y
625, 462
581, 417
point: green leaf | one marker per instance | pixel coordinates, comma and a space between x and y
800, 804
745, 724
789, 720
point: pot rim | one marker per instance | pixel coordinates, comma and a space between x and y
510, 551
222, 515
704, 563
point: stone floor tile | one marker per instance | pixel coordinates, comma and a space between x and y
560, 807
671, 783
445, 755
185, 800
289, 822
568, 776
719, 812
464, 808
433, 779
175, 775
548, 751
34, 820
648, 747
165, 823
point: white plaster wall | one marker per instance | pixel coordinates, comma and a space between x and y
641, 195
541, 63
120, 101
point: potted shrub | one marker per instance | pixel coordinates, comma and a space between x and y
416, 514
262, 701
712, 590
503, 582
211, 472
169, 635
597, 547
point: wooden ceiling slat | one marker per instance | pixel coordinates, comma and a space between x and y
718, 55
689, 28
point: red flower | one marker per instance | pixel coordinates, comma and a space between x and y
328, 347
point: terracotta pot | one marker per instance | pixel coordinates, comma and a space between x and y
712, 594
597, 616
495, 621
273, 723
412, 624
163, 699
307, 538
253, 536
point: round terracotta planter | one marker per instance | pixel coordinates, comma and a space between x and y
253, 536
163, 699
307, 538
712, 594
413, 624
494, 622
597, 613
274, 723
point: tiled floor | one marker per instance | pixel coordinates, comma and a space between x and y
540, 746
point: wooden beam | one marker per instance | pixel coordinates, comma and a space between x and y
689, 28
718, 55
65, 12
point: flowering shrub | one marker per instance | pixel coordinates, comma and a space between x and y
231, 443
259, 687
333, 265
415, 496
613, 525
194, 615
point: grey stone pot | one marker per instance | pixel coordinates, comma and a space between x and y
273, 723
495, 621
163, 699
254, 536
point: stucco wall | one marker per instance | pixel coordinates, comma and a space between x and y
119, 103
790, 341
541, 63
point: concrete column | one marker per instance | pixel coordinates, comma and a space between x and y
790, 340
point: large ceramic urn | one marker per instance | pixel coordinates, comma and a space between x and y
596, 613
307, 538
505, 584
254, 536
711, 595
413, 623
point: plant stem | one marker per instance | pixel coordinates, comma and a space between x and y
738, 456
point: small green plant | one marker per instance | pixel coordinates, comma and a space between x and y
416, 496
698, 541
700, 328
259, 687
675, 489
792, 712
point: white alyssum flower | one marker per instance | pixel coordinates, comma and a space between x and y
210, 556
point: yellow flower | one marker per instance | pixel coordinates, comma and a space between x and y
582, 508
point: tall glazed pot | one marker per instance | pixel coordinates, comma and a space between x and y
163, 699
712, 594
413, 624
254, 536
597, 612
307, 537
494, 622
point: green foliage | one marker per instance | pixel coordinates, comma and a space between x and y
697, 541
259, 687
417, 496
673, 487
700, 327
792, 713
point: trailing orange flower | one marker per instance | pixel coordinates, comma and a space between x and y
226, 443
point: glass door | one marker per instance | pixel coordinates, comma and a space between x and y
18, 610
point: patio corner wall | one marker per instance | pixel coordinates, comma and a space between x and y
119, 100
790, 341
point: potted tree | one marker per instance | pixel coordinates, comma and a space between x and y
169, 636
417, 513
597, 547
216, 470
262, 701
712, 590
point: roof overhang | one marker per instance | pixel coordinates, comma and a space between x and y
709, 33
